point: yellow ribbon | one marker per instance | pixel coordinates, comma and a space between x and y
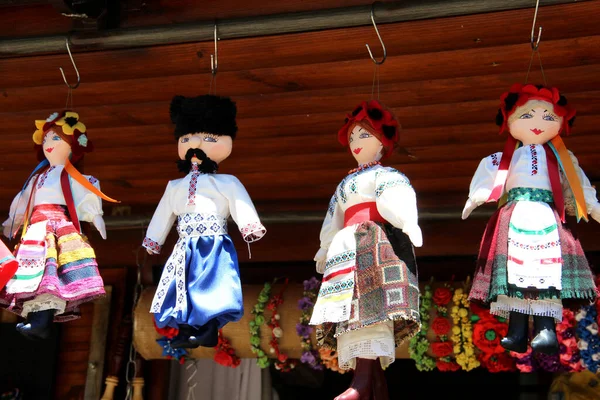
559, 148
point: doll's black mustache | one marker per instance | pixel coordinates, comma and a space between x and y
207, 166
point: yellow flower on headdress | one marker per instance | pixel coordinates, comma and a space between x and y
70, 122
38, 135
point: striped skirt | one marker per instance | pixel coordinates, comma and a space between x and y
529, 261
57, 268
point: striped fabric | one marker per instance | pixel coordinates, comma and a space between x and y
68, 268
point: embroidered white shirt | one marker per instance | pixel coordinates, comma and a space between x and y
49, 191
214, 194
391, 191
528, 168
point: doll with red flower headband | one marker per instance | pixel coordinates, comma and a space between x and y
368, 302
529, 261
57, 269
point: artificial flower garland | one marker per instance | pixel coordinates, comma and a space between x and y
487, 332
589, 340
442, 348
462, 332
282, 361
225, 354
310, 356
419, 344
258, 311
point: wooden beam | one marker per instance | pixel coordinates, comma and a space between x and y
261, 26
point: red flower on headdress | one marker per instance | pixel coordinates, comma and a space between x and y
386, 127
531, 92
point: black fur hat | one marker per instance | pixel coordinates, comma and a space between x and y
207, 113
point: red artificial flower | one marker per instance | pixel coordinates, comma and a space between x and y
447, 366
500, 362
478, 310
167, 331
223, 358
282, 357
441, 326
442, 296
442, 349
487, 334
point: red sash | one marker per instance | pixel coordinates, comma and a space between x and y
362, 212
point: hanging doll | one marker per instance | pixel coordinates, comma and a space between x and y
57, 266
199, 290
369, 298
529, 261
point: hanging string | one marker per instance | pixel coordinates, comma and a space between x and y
533, 52
69, 102
191, 380
375, 81
213, 79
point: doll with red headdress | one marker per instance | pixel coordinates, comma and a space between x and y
57, 269
530, 263
369, 298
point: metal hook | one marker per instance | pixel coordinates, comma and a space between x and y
380, 40
214, 57
74, 66
535, 43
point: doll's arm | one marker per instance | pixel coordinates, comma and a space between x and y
397, 203
89, 205
589, 193
482, 183
242, 210
161, 223
17, 211
332, 224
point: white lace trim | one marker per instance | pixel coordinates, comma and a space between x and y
43, 302
372, 342
544, 308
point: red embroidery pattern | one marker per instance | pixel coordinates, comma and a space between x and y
534, 159
43, 177
495, 161
151, 245
249, 229
193, 184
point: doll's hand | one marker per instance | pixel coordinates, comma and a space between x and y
414, 234
469, 207
150, 252
321, 259
595, 213
99, 224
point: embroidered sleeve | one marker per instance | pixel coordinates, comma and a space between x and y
17, 209
242, 209
333, 223
482, 182
397, 203
589, 193
161, 222
88, 205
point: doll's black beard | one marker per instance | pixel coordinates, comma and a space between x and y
207, 166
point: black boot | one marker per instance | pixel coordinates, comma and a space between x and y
190, 337
37, 325
544, 340
516, 338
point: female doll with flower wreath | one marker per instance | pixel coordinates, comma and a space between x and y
57, 266
529, 261
369, 298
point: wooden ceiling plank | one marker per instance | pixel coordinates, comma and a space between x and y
465, 32
465, 63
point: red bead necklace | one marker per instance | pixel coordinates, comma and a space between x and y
363, 166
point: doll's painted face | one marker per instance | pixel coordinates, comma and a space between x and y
365, 147
217, 148
534, 122
56, 150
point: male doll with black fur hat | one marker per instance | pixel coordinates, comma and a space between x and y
203, 266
